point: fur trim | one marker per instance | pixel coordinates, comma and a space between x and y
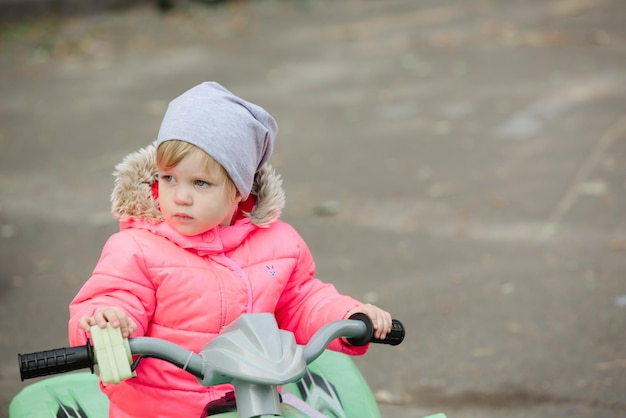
132, 194
134, 176
270, 196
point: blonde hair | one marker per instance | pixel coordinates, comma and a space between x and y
170, 154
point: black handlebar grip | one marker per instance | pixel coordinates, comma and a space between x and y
395, 336
58, 360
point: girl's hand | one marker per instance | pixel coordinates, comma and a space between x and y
112, 315
380, 318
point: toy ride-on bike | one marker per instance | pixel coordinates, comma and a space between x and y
271, 374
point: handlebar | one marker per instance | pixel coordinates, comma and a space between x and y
358, 330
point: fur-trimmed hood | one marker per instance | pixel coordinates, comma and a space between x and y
132, 197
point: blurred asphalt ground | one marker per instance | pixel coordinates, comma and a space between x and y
460, 163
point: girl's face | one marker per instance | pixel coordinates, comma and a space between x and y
193, 200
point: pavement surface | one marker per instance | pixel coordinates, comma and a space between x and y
461, 163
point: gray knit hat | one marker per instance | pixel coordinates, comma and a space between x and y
237, 134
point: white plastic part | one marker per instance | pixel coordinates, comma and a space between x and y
113, 354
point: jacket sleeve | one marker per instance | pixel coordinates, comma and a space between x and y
307, 303
120, 279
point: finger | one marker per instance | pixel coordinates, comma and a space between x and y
98, 319
379, 327
107, 316
115, 317
384, 324
126, 326
388, 323
85, 323
132, 327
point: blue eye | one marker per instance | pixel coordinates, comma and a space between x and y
201, 183
167, 178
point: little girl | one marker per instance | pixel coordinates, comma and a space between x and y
201, 243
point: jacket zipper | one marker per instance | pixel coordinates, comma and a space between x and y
244, 277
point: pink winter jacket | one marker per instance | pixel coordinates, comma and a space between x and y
186, 289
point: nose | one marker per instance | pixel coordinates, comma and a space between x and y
182, 196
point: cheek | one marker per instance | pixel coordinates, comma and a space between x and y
234, 196
164, 199
235, 200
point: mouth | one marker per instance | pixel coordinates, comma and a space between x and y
182, 217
